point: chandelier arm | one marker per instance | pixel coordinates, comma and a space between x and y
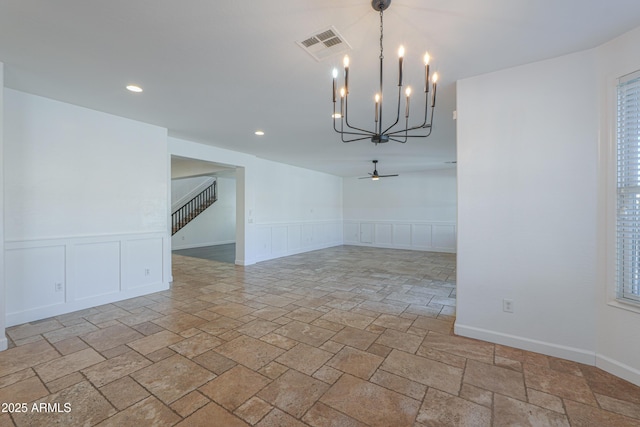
398, 113
398, 140
352, 140
346, 119
424, 125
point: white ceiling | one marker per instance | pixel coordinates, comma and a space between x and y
215, 71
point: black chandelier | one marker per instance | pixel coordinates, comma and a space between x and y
349, 133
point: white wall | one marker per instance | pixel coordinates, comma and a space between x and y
527, 206
618, 335
85, 214
411, 211
3, 338
216, 225
281, 209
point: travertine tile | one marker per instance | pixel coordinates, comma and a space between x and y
215, 362
212, 411
545, 400
356, 362
334, 314
509, 412
465, 347
110, 337
303, 332
234, 387
370, 403
304, 358
124, 392
27, 330
401, 385
64, 382
354, 337
619, 406
393, 322
293, 392
26, 356
148, 412
196, 345
249, 351
86, 407
444, 409
400, 340
253, 410
348, 318
277, 418
425, 371
112, 369
581, 415
154, 342
185, 376
559, 384
189, 403
321, 415
65, 365
496, 379
26, 390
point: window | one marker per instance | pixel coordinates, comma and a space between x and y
628, 192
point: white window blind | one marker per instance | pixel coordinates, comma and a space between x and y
628, 198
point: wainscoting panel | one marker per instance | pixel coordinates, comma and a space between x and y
402, 235
96, 268
436, 236
283, 239
384, 234
50, 277
143, 262
35, 278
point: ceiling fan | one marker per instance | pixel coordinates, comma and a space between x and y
375, 175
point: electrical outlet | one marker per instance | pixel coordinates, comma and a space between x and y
507, 305
147, 272
57, 287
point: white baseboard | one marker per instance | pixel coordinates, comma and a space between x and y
550, 349
69, 307
618, 369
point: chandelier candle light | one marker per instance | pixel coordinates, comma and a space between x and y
379, 134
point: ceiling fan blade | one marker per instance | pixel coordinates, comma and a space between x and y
365, 177
385, 176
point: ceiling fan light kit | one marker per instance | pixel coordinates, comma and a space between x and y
380, 134
375, 176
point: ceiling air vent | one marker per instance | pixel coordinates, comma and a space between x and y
325, 43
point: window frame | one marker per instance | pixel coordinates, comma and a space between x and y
627, 194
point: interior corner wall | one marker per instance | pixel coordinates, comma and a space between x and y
527, 206
85, 207
216, 225
412, 211
281, 209
3, 301
618, 337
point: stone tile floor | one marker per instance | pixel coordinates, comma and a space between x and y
346, 336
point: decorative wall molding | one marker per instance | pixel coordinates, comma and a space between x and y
275, 240
55, 276
435, 236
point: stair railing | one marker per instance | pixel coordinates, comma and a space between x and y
194, 207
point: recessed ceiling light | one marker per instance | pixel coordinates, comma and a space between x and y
259, 132
134, 88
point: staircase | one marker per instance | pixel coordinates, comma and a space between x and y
194, 207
